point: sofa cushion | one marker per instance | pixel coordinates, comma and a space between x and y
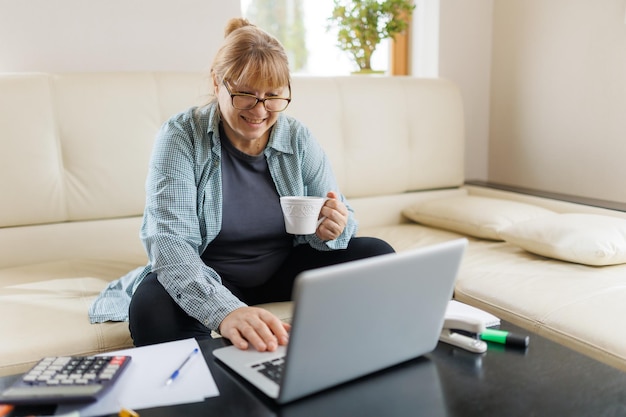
575, 305
410, 113
589, 239
44, 312
476, 216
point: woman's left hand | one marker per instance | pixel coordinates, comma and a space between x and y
336, 218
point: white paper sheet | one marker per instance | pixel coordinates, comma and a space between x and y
142, 385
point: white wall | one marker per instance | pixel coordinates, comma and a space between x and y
558, 107
465, 43
111, 35
452, 39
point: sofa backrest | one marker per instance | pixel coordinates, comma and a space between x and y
385, 135
76, 146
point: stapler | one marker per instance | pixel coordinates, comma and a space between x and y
450, 334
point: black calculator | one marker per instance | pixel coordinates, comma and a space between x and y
66, 379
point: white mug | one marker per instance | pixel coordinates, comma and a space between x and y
302, 213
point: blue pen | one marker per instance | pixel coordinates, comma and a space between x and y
177, 371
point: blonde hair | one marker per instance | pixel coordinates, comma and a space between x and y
250, 56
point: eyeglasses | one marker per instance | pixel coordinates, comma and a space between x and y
242, 101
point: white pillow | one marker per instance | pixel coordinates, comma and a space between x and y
476, 216
588, 239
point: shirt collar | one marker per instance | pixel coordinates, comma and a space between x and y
280, 136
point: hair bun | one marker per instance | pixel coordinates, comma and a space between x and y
234, 24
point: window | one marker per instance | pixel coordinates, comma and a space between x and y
301, 25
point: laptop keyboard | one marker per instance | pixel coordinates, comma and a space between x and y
272, 369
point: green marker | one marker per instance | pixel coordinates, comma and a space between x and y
504, 337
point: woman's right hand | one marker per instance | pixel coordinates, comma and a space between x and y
255, 326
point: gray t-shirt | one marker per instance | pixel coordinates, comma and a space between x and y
252, 243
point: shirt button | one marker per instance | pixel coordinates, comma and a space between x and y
206, 322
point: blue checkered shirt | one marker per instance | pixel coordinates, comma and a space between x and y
183, 211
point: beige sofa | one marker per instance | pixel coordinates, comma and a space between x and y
75, 148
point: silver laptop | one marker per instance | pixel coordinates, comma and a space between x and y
354, 319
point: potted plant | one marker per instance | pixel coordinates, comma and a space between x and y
363, 24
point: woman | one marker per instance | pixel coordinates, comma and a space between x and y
213, 227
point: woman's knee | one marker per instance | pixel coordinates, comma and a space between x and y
370, 246
142, 319
154, 317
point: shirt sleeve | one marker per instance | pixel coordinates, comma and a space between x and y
171, 230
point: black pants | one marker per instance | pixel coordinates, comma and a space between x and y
155, 317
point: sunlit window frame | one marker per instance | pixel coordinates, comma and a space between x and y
399, 52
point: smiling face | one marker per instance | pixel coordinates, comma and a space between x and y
253, 62
248, 130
